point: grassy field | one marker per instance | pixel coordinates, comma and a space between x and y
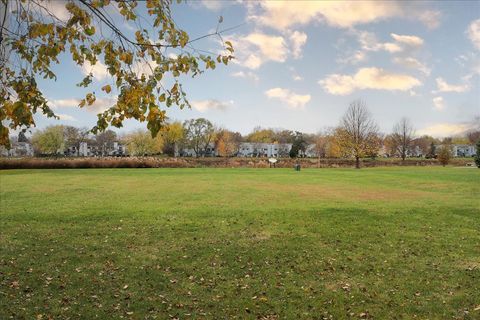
380, 243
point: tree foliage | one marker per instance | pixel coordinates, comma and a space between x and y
357, 134
432, 151
477, 155
49, 141
444, 154
260, 135
227, 143
34, 39
174, 135
104, 141
75, 136
199, 133
141, 143
299, 145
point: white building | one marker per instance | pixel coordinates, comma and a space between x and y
209, 152
463, 150
460, 150
18, 149
269, 150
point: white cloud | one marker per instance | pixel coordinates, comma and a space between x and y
473, 33
49, 8
355, 58
100, 104
213, 5
293, 100
246, 75
438, 103
64, 103
99, 70
430, 18
210, 104
297, 78
282, 15
445, 129
298, 40
369, 43
271, 47
410, 41
65, 117
412, 63
368, 78
257, 48
443, 86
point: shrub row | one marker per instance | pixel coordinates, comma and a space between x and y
162, 162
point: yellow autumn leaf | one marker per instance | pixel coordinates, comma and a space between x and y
107, 88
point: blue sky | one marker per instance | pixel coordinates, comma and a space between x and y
299, 65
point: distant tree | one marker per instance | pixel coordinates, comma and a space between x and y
477, 155
432, 152
283, 136
260, 135
444, 154
22, 137
357, 134
374, 146
321, 145
390, 145
104, 141
473, 136
402, 137
294, 150
75, 136
50, 140
299, 145
460, 140
141, 143
199, 133
423, 144
447, 140
174, 135
227, 143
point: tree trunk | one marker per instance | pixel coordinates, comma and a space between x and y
357, 162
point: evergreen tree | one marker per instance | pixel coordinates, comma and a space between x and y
477, 156
431, 152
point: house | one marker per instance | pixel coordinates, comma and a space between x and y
259, 149
463, 150
460, 150
209, 152
18, 149
90, 150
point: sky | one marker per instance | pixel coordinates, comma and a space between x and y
300, 64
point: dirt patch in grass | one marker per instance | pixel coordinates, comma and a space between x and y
342, 192
470, 265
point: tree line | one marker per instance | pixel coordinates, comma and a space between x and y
357, 135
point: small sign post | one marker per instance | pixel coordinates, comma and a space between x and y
272, 161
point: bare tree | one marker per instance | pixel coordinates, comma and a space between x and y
402, 136
358, 132
321, 145
74, 137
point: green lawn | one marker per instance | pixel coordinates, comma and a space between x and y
380, 243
